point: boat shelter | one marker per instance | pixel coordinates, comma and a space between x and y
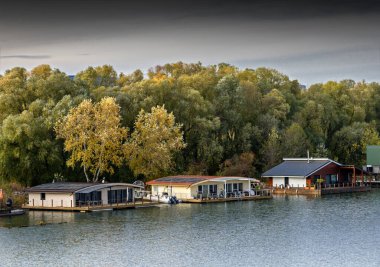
197, 186
71, 195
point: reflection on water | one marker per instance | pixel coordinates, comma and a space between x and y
341, 230
38, 218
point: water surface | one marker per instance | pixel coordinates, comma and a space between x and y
341, 230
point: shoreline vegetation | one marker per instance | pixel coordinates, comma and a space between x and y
177, 118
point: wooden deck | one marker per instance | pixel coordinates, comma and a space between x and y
339, 190
373, 184
218, 200
121, 206
318, 192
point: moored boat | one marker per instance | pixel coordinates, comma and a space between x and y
164, 198
7, 213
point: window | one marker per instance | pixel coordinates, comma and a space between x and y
43, 196
213, 188
235, 186
229, 188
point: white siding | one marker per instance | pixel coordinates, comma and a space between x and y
293, 181
278, 181
105, 196
52, 200
297, 181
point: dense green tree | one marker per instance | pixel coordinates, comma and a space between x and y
349, 143
225, 113
28, 152
294, 142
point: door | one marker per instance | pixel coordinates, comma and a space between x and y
286, 181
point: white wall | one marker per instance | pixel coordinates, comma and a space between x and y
181, 192
293, 181
278, 181
105, 196
297, 181
52, 200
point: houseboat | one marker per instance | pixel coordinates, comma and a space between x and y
314, 176
200, 189
82, 196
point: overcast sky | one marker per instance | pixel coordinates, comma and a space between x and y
312, 41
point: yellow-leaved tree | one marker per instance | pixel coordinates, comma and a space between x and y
155, 138
94, 137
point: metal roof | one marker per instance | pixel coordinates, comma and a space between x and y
297, 167
105, 185
59, 187
68, 187
183, 180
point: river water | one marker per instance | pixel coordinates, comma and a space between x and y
339, 230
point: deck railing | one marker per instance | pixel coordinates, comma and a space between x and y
234, 194
320, 186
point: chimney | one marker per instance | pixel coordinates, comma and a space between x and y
308, 156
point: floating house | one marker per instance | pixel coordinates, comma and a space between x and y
192, 188
313, 173
75, 196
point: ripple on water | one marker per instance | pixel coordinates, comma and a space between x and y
340, 230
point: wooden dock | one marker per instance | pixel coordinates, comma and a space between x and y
218, 200
91, 208
373, 184
312, 191
340, 190
297, 191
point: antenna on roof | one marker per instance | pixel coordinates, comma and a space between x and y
308, 156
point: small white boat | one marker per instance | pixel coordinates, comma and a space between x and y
164, 198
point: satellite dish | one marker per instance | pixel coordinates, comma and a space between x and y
139, 183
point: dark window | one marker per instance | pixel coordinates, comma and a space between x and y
43, 196
229, 188
117, 196
235, 187
315, 178
213, 189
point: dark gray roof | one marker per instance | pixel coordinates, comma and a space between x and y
297, 168
106, 185
59, 187
66, 187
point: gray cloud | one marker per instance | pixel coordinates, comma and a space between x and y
27, 56
298, 37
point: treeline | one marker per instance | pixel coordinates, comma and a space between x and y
234, 122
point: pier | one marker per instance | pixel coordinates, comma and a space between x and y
260, 195
323, 189
89, 207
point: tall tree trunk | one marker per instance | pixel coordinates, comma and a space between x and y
85, 173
